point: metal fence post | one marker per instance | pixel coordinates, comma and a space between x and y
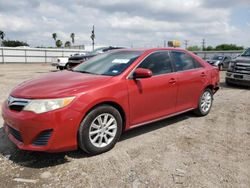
2, 56
45, 56
25, 55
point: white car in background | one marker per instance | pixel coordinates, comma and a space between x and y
61, 62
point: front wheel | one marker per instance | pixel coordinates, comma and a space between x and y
205, 103
228, 83
100, 130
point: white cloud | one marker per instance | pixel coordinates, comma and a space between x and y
119, 22
14, 23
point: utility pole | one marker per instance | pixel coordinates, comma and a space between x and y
203, 43
93, 38
186, 43
165, 44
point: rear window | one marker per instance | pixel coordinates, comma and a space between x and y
183, 61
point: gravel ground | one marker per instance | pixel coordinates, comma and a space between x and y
183, 151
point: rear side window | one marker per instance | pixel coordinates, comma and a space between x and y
183, 61
158, 63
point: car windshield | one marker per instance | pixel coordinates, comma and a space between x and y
246, 53
217, 57
111, 63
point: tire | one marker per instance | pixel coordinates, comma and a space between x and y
228, 83
60, 68
95, 136
67, 66
205, 103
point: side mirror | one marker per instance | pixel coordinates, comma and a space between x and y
142, 73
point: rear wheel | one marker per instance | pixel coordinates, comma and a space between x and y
67, 66
100, 130
205, 103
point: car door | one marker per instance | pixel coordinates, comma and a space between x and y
226, 61
191, 78
154, 97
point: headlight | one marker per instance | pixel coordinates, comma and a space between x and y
44, 105
231, 66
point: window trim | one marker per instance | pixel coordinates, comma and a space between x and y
130, 75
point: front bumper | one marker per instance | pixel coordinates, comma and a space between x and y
238, 79
53, 131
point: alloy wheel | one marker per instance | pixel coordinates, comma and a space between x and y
103, 130
206, 101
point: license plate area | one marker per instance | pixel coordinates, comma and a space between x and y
238, 76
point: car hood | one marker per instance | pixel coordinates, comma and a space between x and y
59, 84
242, 59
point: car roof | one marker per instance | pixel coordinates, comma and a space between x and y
148, 50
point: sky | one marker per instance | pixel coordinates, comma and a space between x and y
129, 23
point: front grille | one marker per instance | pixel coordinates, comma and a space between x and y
242, 68
43, 138
15, 133
17, 104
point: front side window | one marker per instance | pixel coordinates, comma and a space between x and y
158, 63
110, 64
184, 61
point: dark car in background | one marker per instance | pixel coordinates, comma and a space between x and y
77, 59
238, 72
221, 61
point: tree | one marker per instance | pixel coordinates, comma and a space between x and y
72, 35
2, 34
14, 43
228, 47
209, 48
54, 36
194, 48
67, 44
59, 43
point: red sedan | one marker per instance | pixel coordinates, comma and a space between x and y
91, 105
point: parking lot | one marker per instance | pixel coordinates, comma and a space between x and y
183, 151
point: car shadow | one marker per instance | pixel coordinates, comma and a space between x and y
233, 86
42, 160
156, 125
54, 70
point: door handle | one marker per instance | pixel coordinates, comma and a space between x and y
203, 74
172, 81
